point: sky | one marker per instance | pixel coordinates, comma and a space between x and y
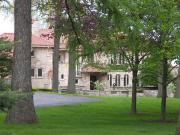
6, 23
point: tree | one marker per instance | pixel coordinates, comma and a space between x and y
52, 11
108, 30
151, 22
178, 86
148, 75
72, 69
74, 21
23, 111
6, 5
177, 93
82, 24
5, 58
128, 37
56, 16
72, 57
56, 52
163, 18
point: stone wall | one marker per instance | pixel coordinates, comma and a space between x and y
150, 93
125, 92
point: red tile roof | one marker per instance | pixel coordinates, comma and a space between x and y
47, 34
39, 39
7, 36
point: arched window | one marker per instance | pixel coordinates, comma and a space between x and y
78, 69
110, 79
118, 80
126, 80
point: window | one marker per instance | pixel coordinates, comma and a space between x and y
117, 58
62, 58
126, 80
118, 80
112, 61
39, 72
32, 72
110, 79
78, 70
62, 39
32, 53
62, 76
76, 81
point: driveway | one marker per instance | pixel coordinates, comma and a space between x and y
44, 99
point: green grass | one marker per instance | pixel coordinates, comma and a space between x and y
109, 117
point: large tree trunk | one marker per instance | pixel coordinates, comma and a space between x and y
56, 52
177, 93
72, 72
23, 111
164, 89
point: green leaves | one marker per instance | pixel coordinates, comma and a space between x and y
5, 58
9, 98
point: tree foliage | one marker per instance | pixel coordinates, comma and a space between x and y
143, 28
5, 58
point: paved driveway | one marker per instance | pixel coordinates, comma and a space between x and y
44, 99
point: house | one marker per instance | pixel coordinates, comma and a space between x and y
86, 74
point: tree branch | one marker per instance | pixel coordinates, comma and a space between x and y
72, 22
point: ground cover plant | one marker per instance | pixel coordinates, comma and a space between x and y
110, 116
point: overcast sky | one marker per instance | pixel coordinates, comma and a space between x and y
6, 23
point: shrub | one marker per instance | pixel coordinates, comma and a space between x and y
8, 98
99, 86
41, 89
45, 90
4, 86
35, 89
171, 88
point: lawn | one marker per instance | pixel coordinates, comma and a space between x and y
109, 117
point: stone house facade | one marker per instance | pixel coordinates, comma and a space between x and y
86, 76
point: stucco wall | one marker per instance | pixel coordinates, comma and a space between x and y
43, 59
